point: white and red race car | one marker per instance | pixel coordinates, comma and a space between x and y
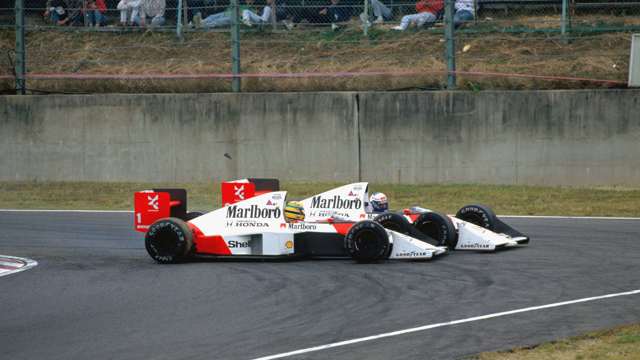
252, 224
474, 227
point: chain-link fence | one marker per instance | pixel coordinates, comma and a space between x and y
208, 45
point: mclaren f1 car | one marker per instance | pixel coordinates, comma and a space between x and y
252, 224
474, 227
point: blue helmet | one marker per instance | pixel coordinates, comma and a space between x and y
379, 202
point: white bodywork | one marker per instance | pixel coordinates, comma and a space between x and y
257, 226
406, 247
350, 203
474, 237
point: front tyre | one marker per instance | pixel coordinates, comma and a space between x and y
168, 240
480, 215
438, 227
367, 241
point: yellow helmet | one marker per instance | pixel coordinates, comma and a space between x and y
293, 211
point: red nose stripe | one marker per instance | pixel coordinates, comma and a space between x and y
342, 228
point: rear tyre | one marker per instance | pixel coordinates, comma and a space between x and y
169, 240
367, 241
480, 215
438, 227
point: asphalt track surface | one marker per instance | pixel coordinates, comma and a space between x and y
96, 294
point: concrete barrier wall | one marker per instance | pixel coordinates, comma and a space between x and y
532, 137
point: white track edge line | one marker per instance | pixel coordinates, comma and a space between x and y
504, 216
28, 265
443, 324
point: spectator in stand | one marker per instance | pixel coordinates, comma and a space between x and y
428, 12
153, 9
135, 12
64, 12
94, 13
381, 13
75, 16
56, 12
129, 10
250, 18
465, 11
334, 14
224, 18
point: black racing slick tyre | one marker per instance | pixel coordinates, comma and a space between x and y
478, 215
395, 222
169, 240
438, 227
367, 241
192, 215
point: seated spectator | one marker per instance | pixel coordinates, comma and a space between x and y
224, 18
56, 12
381, 13
129, 10
64, 12
249, 17
428, 12
153, 9
94, 13
135, 12
333, 14
465, 11
75, 16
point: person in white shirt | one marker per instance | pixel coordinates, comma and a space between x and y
135, 12
465, 11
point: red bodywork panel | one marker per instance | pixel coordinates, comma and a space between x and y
412, 215
342, 228
232, 192
214, 245
150, 206
238, 190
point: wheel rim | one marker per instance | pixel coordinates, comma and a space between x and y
367, 243
165, 242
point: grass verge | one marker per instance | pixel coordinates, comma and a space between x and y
620, 343
518, 200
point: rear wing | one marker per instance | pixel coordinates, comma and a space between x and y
238, 190
151, 205
155, 204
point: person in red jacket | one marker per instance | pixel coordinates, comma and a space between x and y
428, 11
94, 13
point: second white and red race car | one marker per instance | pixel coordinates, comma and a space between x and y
474, 227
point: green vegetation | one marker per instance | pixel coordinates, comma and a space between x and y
414, 59
619, 343
522, 200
